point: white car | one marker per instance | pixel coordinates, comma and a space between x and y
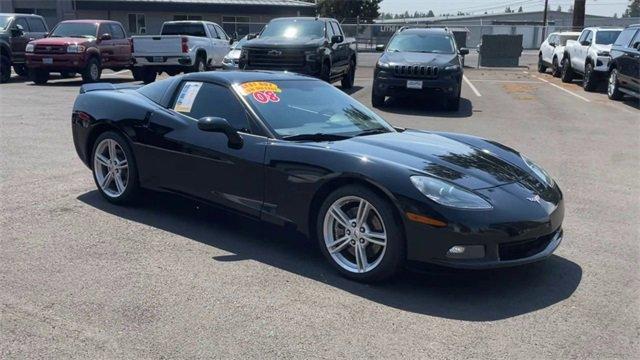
182, 46
589, 56
231, 60
552, 51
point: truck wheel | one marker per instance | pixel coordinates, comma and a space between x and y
325, 72
556, 70
349, 78
67, 74
21, 70
589, 80
377, 100
40, 77
5, 69
200, 65
541, 66
613, 88
149, 75
567, 71
137, 73
92, 71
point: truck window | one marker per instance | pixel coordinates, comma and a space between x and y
221, 33
625, 37
116, 31
104, 29
330, 30
336, 28
213, 32
37, 25
189, 29
607, 37
583, 36
23, 23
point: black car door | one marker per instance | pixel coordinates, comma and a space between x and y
177, 156
19, 38
632, 63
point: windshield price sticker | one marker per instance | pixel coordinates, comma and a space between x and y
187, 96
262, 91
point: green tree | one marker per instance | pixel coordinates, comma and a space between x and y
431, 14
559, 9
633, 10
366, 10
520, 9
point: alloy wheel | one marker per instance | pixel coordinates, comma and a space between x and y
94, 71
613, 80
111, 168
201, 66
355, 234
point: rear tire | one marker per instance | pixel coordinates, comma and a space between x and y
589, 81
67, 74
384, 255
567, 71
377, 100
613, 88
541, 66
200, 65
106, 173
149, 75
349, 78
556, 70
5, 69
92, 72
21, 70
137, 73
39, 77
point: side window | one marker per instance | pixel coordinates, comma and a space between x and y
337, 29
198, 99
554, 39
625, 37
116, 31
23, 23
635, 40
221, 33
104, 29
212, 30
583, 36
37, 25
330, 31
590, 37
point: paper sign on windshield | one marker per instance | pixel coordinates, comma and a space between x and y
262, 91
187, 96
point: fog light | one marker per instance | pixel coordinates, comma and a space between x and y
466, 252
457, 250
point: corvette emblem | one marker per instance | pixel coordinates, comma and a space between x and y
535, 198
274, 52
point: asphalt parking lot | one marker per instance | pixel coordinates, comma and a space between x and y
171, 278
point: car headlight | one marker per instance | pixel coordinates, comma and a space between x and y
447, 194
603, 53
75, 48
29, 48
383, 65
455, 67
226, 60
540, 172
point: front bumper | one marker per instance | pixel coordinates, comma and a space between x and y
57, 62
447, 85
602, 65
308, 69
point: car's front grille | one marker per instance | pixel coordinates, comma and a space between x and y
526, 248
416, 71
50, 49
275, 58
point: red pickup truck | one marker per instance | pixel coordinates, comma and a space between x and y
79, 46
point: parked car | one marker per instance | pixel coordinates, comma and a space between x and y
16, 30
183, 46
231, 60
589, 56
421, 62
624, 67
305, 45
551, 51
312, 158
79, 46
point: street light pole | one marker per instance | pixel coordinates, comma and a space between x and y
578, 14
544, 19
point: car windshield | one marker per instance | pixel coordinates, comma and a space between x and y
85, 30
188, 29
294, 29
4, 21
427, 43
239, 44
310, 107
564, 38
607, 37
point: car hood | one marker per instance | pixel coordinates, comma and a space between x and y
233, 54
61, 41
272, 42
404, 58
435, 155
600, 47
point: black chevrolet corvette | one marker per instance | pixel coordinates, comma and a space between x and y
292, 150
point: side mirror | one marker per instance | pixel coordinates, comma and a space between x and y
105, 36
220, 125
585, 43
379, 48
463, 51
17, 31
336, 39
552, 44
231, 41
46, 34
636, 45
252, 36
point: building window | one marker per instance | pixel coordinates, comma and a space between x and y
239, 26
137, 24
187, 17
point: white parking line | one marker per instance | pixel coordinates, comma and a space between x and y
120, 72
563, 89
506, 81
473, 88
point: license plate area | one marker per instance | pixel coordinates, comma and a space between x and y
158, 59
414, 84
47, 61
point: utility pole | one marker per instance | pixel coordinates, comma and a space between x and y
544, 19
578, 14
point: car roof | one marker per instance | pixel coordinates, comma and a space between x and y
604, 28
565, 33
16, 14
88, 21
417, 30
304, 18
238, 77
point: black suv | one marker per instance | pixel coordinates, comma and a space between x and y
419, 61
624, 67
16, 30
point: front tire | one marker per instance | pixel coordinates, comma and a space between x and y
349, 78
5, 69
200, 65
589, 80
613, 88
359, 234
39, 77
541, 66
21, 70
114, 168
556, 70
149, 75
567, 71
92, 72
325, 72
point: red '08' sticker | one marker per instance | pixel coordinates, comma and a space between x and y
264, 97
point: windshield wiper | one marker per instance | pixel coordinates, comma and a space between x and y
316, 137
372, 132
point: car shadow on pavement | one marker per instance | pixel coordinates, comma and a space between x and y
354, 89
432, 108
77, 81
487, 295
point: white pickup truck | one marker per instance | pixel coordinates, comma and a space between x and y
552, 51
182, 46
589, 56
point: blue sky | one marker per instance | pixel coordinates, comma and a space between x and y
595, 7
